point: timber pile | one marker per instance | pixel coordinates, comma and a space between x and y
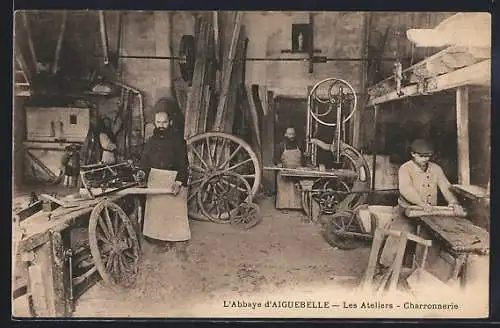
232, 66
200, 92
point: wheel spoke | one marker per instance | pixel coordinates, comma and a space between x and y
199, 156
197, 181
132, 256
116, 219
102, 238
228, 160
108, 221
196, 168
248, 176
238, 165
192, 194
209, 152
103, 227
109, 261
221, 153
334, 221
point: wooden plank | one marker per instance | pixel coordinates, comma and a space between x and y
63, 303
227, 73
255, 119
398, 262
236, 89
193, 106
470, 191
30, 210
41, 165
462, 108
268, 177
377, 241
457, 234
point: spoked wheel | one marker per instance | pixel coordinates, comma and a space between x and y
213, 153
335, 190
246, 216
222, 195
339, 223
114, 245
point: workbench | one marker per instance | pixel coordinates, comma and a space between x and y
45, 246
454, 241
307, 176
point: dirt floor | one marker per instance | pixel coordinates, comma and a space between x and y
280, 268
281, 254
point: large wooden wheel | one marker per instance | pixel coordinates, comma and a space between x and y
114, 245
213, 153
222, 195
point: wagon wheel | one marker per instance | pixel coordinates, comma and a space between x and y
114, 245
213, 153
222, 195
335, 225
335, 191
246, 216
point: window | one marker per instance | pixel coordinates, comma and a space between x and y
72, 119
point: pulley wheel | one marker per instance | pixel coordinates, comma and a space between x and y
187, 55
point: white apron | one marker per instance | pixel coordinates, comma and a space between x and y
288, 196
166, 216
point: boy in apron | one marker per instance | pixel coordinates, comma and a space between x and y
165, 162
288, 155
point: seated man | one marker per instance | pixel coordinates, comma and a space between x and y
420, 179
288, 155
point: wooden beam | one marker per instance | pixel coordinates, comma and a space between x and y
356, 125
255, 119
195, 95
463, 135
479, 73
55, 66
311, 42
31, 46
227, 72
268, 177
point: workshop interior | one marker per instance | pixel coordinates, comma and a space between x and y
303, 133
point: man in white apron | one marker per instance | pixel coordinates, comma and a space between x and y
288, 155
165, 162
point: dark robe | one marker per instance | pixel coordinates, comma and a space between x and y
166, 152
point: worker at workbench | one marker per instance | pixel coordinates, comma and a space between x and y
288, 155
420, 179
165, 162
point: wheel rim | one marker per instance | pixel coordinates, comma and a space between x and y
114, 245
331, 100
222, 195
227, 154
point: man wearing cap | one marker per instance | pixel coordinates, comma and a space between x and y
420, 179
165, 162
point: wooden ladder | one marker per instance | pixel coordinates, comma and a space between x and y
22, 84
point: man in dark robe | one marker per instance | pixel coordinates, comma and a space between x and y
165, 162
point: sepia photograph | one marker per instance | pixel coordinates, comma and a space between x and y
251, 164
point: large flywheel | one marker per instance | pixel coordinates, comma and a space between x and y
215, 158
